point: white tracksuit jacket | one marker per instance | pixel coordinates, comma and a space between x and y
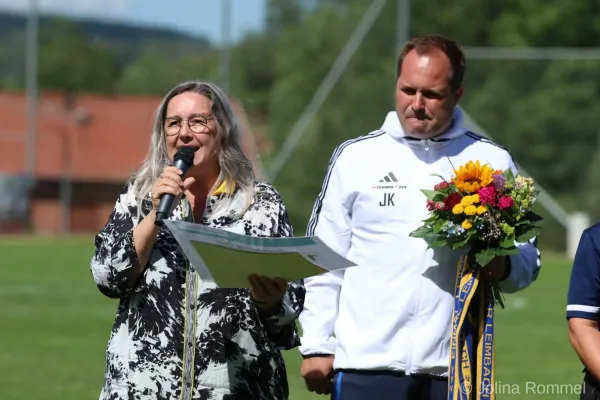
393, 310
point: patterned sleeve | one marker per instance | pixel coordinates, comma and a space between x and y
114, 249
281, 327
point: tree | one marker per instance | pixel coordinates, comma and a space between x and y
153, 73
69, 62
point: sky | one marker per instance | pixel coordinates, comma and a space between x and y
198, 17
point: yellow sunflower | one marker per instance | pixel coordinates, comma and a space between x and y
472, 176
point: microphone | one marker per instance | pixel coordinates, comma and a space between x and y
182, 160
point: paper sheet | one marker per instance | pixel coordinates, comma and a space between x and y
227, 258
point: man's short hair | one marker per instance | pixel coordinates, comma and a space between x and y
429, 43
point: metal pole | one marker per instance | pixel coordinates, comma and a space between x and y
225, 41
326, 85
532, 53
402, 33
32, 85
65, 184
402, 24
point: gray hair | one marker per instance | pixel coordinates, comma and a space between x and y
234, 166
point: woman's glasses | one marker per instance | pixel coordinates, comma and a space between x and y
197, 124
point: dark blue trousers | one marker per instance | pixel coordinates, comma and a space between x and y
377, 385
590, 389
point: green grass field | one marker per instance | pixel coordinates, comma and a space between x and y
55, 325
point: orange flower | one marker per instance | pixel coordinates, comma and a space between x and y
472, 176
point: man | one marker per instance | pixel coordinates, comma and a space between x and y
583, 309
384, 326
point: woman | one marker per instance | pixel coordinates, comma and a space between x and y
174, 336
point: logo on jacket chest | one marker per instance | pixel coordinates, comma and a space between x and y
388, 185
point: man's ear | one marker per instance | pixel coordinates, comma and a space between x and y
458, 93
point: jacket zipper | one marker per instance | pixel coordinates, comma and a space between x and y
409, 363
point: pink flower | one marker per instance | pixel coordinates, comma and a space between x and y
441, 186
432, 205
505, 202
487, 195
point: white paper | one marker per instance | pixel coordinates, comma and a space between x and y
226, 258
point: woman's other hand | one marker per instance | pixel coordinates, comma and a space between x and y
267, 293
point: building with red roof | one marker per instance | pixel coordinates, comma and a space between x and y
86, 148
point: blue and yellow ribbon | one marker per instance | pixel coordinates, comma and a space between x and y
471, 374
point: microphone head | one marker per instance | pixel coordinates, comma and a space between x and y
185, 154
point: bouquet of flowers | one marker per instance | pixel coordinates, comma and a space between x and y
482, 209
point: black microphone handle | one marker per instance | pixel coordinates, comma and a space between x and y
166, 200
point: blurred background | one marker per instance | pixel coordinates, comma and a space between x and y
80, 80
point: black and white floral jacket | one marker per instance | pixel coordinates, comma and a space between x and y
177, 337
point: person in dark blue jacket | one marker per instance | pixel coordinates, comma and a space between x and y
583, 309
